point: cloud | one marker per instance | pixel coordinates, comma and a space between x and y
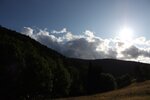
89, 46
28, 31
131, 52
64, 30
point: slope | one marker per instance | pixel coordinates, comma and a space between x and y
29, 69
136, 91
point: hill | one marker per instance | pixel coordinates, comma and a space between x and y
136, 91
30, 70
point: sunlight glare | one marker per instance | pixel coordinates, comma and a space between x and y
126, 34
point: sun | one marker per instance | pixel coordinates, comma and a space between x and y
126, 34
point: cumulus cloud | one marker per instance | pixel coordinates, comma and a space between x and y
89, 46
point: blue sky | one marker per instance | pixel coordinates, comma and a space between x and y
103, 17
87, 29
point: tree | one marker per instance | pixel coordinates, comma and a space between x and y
124, 80
35, 78
107, 82
61, 81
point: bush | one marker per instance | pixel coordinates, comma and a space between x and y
124, 80
142, 72
101, 83
107, 82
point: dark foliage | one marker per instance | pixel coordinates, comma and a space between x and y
29, 69
107, 82
142, 72
124, 80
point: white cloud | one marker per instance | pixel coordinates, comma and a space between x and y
89, 33
28, 31
89, 46
64, 30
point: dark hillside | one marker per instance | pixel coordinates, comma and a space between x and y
29, 69
113, 66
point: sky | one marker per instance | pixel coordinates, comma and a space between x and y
104, 17
88, 29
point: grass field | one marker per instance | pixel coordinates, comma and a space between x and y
136, 91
